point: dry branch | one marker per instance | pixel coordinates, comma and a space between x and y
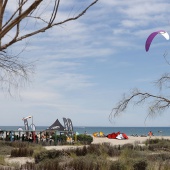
13, 70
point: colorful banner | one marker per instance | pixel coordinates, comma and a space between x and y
65, 124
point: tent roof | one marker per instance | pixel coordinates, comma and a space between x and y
56, 126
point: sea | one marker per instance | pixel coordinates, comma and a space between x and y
157, 131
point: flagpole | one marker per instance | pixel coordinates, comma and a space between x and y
32, 122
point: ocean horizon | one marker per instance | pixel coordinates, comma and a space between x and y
157, 131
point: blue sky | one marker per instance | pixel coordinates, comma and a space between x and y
84, 67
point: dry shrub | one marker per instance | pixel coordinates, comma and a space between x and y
44, 165
49, 165
18, 144
2, 160
117, 165
111, 150
22, 152
81, 151
88, 163
159, 157
128, 153
140, 164
47, 154
105, 148
157, 144
128, 146
95, 149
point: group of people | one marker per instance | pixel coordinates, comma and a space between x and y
150, 133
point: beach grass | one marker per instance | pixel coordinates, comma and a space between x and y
153, 154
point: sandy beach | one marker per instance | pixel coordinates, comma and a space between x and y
100, 140
132, 140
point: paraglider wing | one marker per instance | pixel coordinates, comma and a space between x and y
165, 34
152, 35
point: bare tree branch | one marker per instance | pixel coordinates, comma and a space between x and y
163, 81
20, 6
13, 70
19, 18
49, 25
4, 6
158, 104
54, 13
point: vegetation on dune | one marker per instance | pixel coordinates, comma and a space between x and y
154, 155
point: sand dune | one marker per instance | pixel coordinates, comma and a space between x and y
96, 140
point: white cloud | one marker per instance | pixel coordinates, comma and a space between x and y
84, 66
70, 81
133, 23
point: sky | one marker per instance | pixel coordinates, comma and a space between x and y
84, 67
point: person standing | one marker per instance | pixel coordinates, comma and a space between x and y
150, 134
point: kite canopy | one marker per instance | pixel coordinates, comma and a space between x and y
152, 36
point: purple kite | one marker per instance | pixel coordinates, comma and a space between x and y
152, 35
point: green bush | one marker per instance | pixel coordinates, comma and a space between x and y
85, 139
62, 137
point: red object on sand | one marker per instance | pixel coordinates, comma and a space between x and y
113, 135
124, 135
